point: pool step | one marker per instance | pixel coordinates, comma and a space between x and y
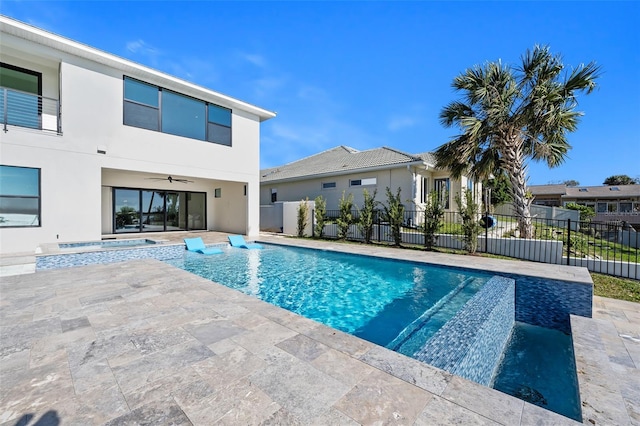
409, 331
471, 344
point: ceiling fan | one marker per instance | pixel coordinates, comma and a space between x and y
172, 179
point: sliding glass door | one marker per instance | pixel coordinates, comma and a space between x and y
144, 210
176, 211
126, 210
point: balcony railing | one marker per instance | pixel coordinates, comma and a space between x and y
632, 217
24, 109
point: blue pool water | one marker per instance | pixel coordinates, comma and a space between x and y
396, 304
533, 356
372, 298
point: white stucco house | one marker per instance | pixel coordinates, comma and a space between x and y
344, 169
94, 145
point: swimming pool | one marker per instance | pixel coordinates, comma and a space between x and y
398, 304
372, 298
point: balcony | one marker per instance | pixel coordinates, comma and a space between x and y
632, 217
31, 111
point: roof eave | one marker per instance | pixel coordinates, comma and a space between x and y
348, 172
42, 37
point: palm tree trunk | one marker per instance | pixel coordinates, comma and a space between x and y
514, 166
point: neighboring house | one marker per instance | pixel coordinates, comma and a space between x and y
344, 169
611, 203
94, 145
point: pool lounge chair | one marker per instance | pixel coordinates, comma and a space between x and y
238, 241
197, 245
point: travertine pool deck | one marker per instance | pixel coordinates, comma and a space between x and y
141, 342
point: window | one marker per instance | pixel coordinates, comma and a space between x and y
217, 193
219, 125
328, 185
470, 184
602, 207
24, 106
583, 189
442, 189
274, 195
424, 194
612, 207
363, 182
183, 116
626, 207
19, 196
154, 108
141, 105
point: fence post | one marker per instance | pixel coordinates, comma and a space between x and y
568, 240
313, 223
486, 234
378, 223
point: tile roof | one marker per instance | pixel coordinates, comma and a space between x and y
548, 189
342, 159
602, 191
607, 191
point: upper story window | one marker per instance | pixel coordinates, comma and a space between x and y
328, 185
21, 94
154, 108
363, 182
219, 125
19, 196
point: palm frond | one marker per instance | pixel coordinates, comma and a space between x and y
582, 78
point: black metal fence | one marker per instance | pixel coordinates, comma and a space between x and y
607, 248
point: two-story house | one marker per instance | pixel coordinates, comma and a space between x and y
94, 145
346, 170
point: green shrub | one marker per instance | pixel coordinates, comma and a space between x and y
367, 214
345, 205
393, 213
303, 215
469, 212
432, 219
320, 214
586, 213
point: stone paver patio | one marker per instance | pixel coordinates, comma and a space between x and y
141, 342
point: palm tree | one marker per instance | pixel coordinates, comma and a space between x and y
509, 116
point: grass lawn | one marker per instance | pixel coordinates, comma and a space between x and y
616, 288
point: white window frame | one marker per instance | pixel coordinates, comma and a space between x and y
328, 188
371, 181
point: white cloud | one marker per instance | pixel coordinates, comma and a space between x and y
141, 48
401, 122
266, 87
254, 58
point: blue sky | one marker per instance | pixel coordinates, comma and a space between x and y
371, 74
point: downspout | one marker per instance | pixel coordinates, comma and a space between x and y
59, 98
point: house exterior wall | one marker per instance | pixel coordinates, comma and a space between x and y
312, 188
76, 180
409, 180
